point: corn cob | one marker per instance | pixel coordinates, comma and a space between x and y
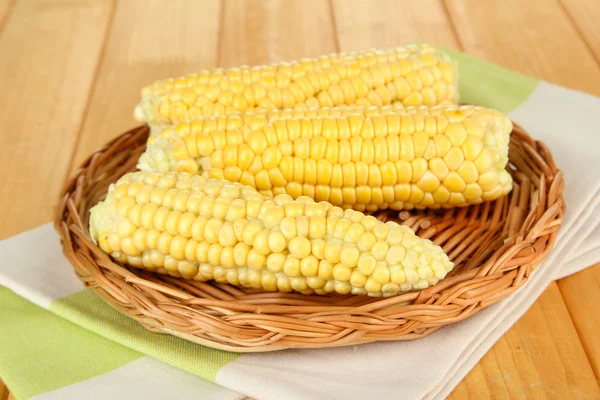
418, 157
412, 75
206, 229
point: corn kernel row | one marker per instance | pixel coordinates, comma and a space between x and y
258, 119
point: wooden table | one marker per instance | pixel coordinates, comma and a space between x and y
70, 74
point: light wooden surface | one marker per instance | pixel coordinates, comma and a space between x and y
70, 74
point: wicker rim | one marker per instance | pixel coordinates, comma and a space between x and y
495, 247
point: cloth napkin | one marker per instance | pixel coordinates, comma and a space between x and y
60, 341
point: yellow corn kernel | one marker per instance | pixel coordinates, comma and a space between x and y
454, 182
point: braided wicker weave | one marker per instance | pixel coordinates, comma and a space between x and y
495, 247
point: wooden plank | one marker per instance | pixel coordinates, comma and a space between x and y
363, 24
571, 376
257, 32
149, 40
581, 293
488, 378
474, 386
5, 7
523, 364
49, 55
534, 37
584, 15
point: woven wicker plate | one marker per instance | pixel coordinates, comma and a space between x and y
495, 247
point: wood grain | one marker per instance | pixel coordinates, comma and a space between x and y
168, 38
581, 293
5, 8
541, 40
475, 386
255, 32
41, 107
584, 16
363, 24
517, 368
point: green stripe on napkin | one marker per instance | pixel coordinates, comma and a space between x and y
41, 353
87, 309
